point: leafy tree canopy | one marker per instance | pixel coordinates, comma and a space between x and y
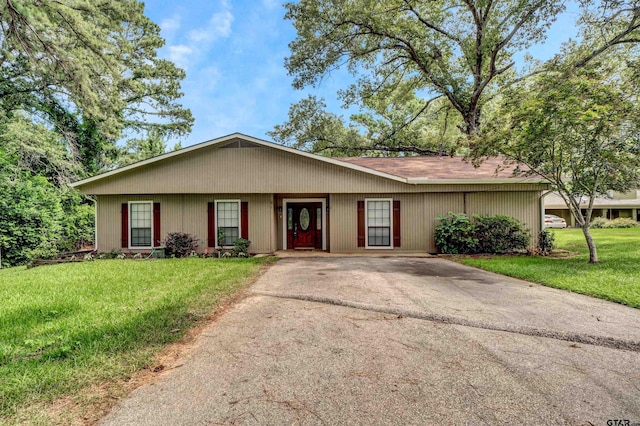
140, 149
407, 54
579, 129
89, 70
75, 77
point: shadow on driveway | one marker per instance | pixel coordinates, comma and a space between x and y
401, 341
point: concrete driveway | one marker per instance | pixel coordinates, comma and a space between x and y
401, 341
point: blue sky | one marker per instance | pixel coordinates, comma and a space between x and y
233, 52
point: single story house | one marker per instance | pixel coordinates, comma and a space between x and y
280, 198
613, 206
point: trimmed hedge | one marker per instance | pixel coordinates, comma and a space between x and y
621, 222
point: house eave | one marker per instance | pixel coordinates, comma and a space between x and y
485, 181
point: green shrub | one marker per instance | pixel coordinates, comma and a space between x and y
621, 222
454, 235
599, 222
500, 234
240, 245
180, 244
31, 218
546, 242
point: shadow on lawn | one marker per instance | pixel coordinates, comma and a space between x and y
86, 349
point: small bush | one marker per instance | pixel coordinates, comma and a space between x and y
599, 222
546, 242
500, 234
454, 235
240, 245
180, 244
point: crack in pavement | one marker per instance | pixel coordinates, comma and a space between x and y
588, 339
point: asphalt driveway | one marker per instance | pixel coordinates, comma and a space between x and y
401, 341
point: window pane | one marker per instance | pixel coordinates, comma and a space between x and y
230, 235
379, 236
140, 237
228, 214
289, 219
141, 214
228, 218
378, 213
379, 223
318, 218
305, 219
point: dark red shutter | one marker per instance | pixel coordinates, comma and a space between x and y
244, 220
396, 223
125, 225
211, 225
361, 230
156, 225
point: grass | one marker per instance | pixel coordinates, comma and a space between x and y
66, 327
615, 278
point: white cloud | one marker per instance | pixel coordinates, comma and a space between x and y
198, 41
170, 25
221, 22
219, 26
180, 55
271, 4
208, 78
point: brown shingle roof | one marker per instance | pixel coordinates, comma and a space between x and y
434, 167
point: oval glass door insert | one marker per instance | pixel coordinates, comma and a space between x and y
304, 219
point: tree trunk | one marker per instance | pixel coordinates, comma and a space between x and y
471, 120
593, 253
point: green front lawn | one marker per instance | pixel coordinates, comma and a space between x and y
66, 327
616, 277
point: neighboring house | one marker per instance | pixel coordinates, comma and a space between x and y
282, 199
612, 207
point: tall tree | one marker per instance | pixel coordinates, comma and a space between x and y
579, 129
395, 130
75, 77
90, 69
460, 52
455, 50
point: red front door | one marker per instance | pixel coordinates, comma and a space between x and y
304, 225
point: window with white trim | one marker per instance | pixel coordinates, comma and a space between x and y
141, 223
227, 222
378, 223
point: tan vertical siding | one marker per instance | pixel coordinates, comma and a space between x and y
418, 216
439, 205
187, 213
524, 206
419, 212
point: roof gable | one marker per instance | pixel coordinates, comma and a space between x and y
238, 163
236, 140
